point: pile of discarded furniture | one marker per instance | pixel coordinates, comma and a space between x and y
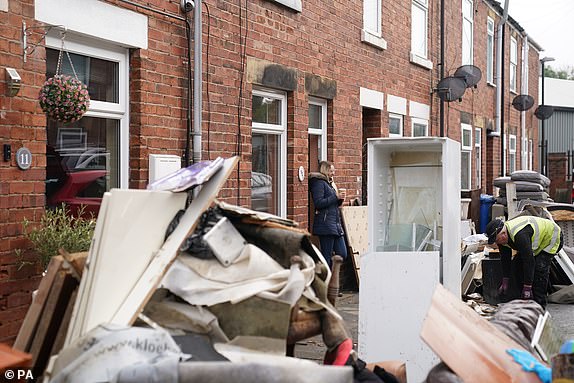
183, 291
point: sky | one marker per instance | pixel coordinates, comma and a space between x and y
550, 23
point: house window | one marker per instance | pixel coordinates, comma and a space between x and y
268, 161
466, 151
511, 153
478, 156
420, 127
317, 133
94, 148
395, 125
513, 63
490, 50
372, 30
419, 28
467, 32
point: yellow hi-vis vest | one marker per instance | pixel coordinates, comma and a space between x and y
546, 235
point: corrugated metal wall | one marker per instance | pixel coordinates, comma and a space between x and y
559, 131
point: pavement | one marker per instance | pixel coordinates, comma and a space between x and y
348, 306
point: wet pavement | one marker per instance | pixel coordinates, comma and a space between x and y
348, 306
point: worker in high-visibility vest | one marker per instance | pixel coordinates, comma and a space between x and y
537, 240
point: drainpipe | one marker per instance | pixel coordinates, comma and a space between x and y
499, 117
442, 37
197, 81
524, 82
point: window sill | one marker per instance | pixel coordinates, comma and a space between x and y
513, 92
293, 4
418, 60
491, 84
373, 40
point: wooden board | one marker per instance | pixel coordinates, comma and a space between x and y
355, 224
152, 276
12, 358
562, 215
63, 329
471, 346
28, 328
50, 320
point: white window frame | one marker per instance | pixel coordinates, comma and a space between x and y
322, 132
530, 154
280, 130
420, 121
504, 154
478, 156
116, 111
466, 147
513, 64
467, 21
372, 32
511, 153
401, 124
490, 51
419, 34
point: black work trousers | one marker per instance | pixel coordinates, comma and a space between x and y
542, 263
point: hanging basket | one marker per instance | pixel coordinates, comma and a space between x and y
64, 98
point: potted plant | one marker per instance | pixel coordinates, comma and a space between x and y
64, 98
58, 229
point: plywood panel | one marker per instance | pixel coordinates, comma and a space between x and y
80, 306
471, 346
151, 278
396, 291
355, 222
136, 222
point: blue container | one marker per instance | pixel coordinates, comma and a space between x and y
486, 202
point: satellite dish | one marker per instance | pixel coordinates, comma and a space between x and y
523, 102
451, 89
544, 112
470, 74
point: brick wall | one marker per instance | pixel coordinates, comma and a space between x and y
323, 41
21, 192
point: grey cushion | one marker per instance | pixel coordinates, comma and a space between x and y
530, 176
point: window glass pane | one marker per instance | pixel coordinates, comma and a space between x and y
100, 76
418, 30
465, 170
371, 16
314, 152
265, 172
315, 116
419, 130
83, 161
466, 139
266, 110
513, 53
395, 125
466, 42
467, 9
490, 50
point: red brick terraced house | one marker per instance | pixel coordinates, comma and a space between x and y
280, 83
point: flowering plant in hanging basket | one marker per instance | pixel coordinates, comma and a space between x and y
64, 98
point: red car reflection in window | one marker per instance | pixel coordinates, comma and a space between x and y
74, 182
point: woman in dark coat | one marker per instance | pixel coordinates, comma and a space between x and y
327, 220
